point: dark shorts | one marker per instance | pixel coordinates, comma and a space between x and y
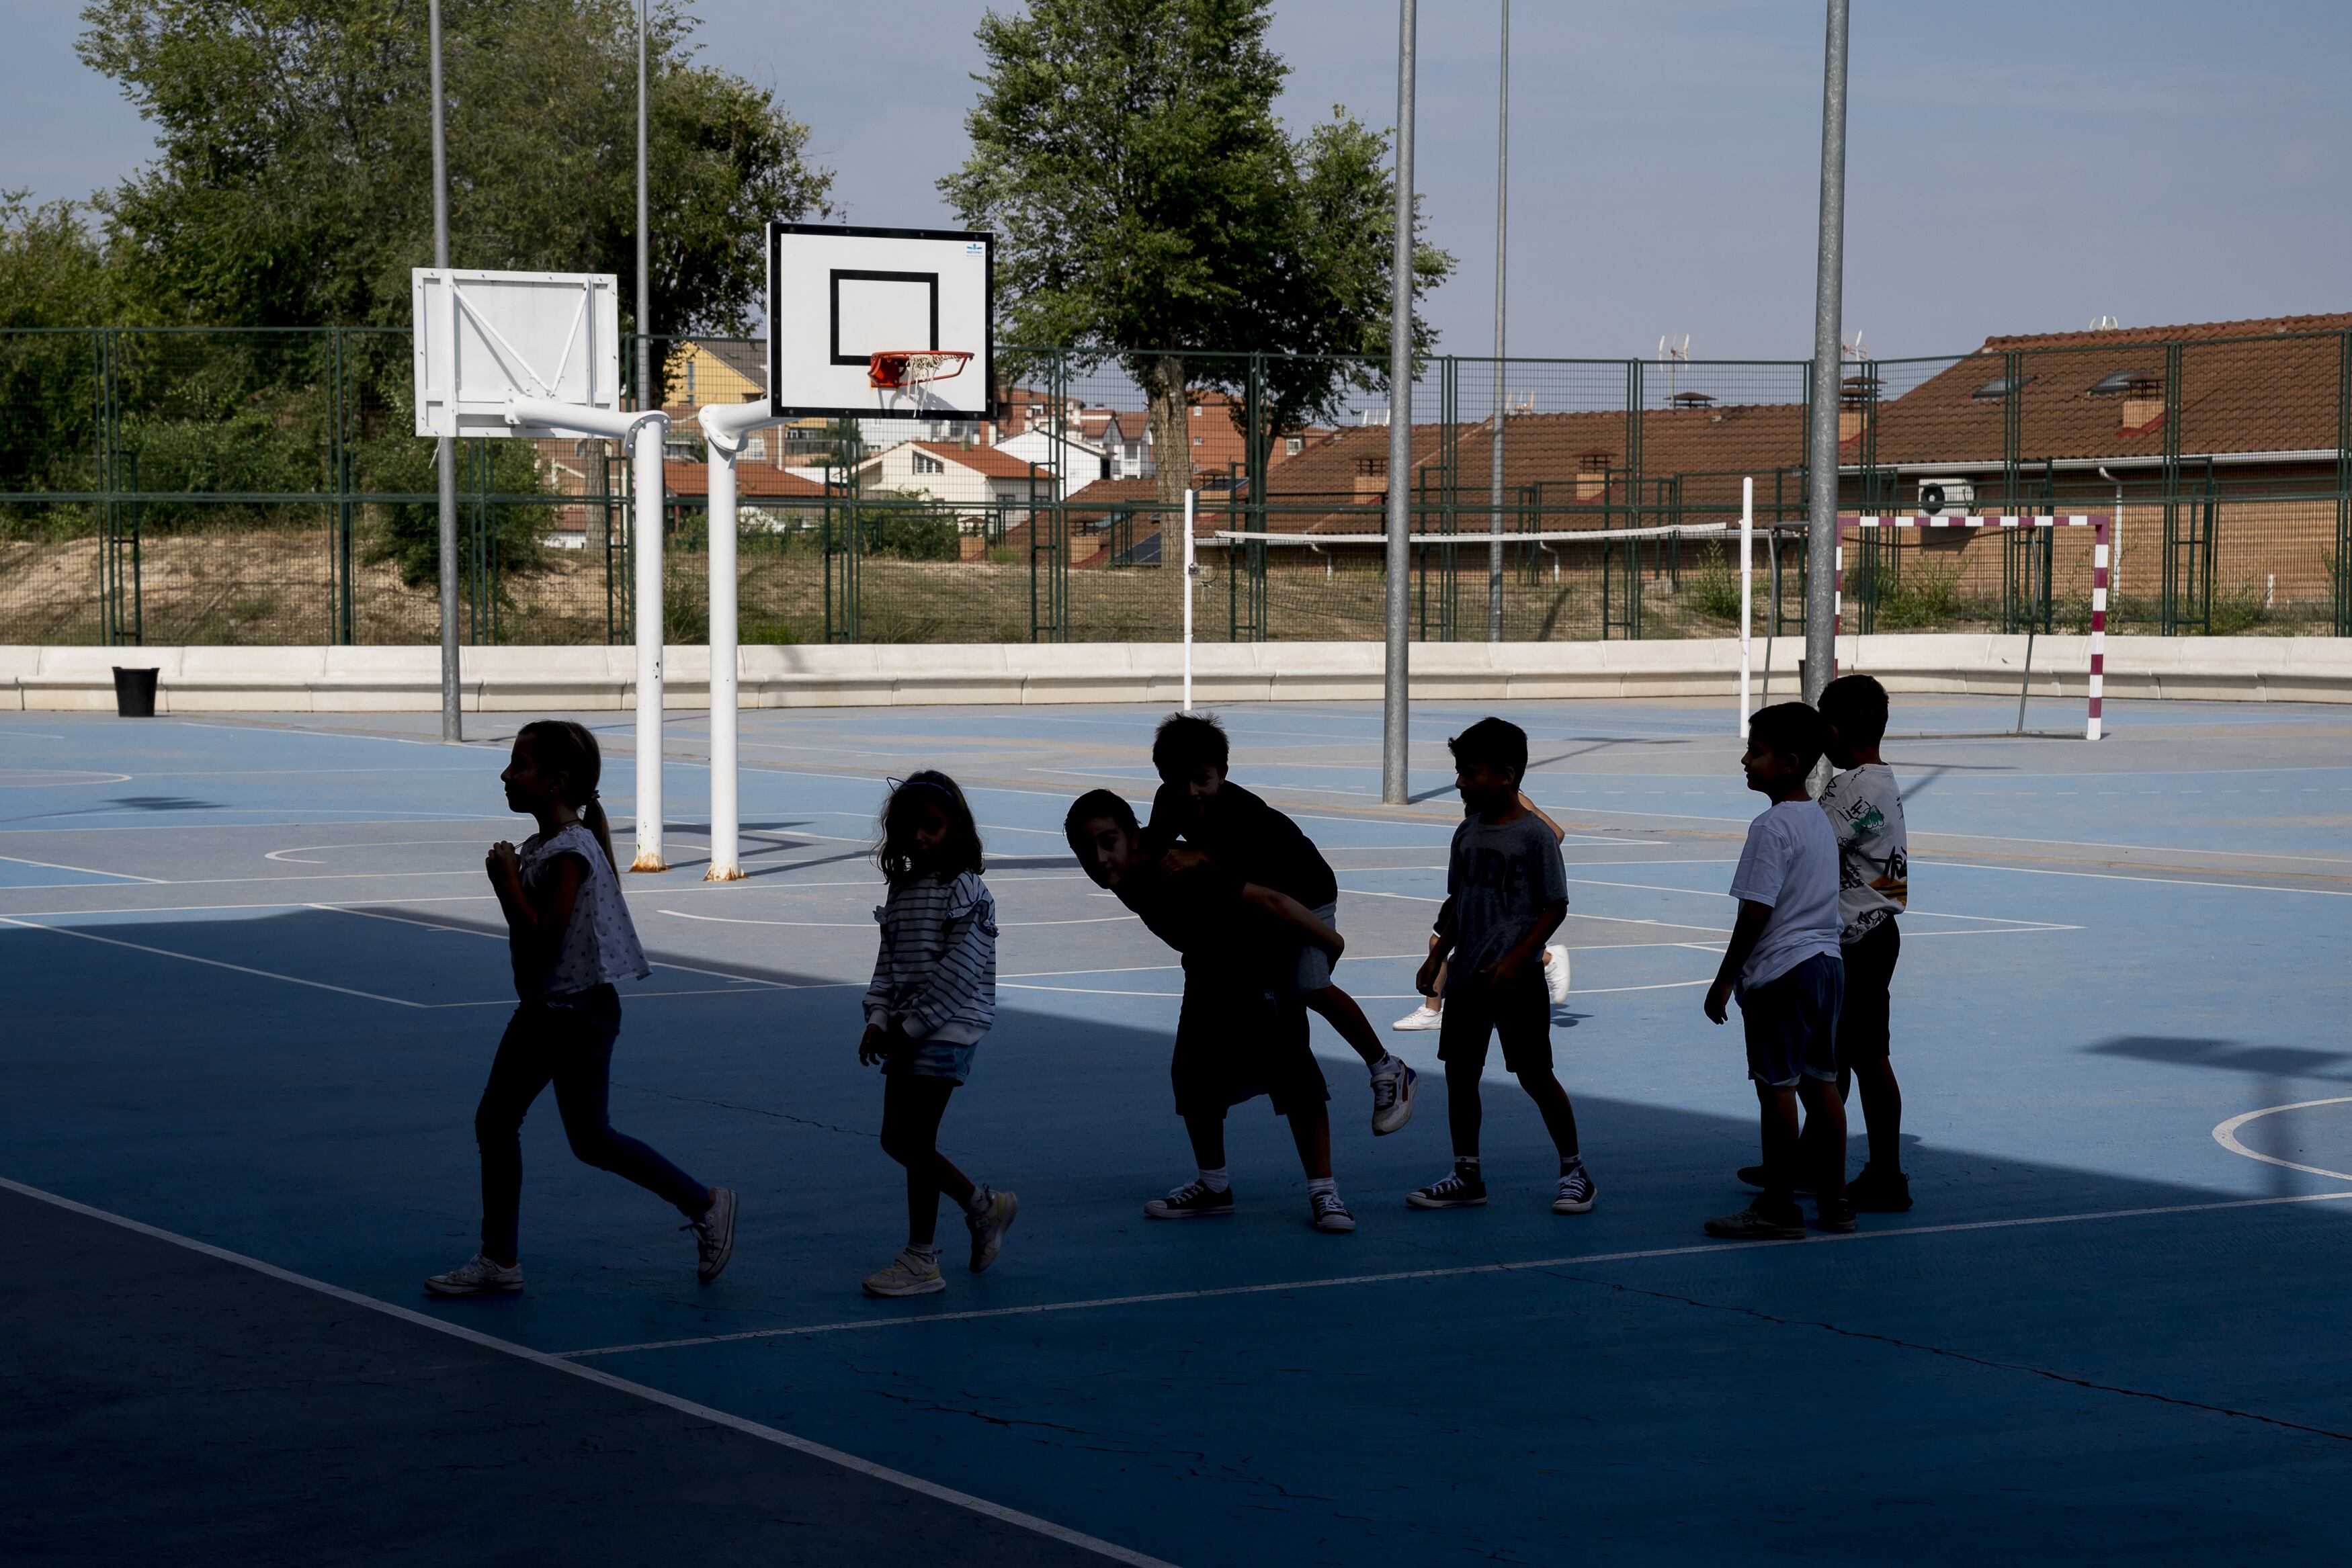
1862, 1027
1519, 1012
1791, 1022
1233, 1045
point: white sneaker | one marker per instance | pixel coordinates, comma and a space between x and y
1556, 973
909, 1274
1331, 1215
1422, 1017
480, 1278
1391, 1096
988, 1228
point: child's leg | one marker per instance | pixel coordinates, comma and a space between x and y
911, 1110
1339, 1009
1207, 1131
1822, 1146
1882, 1113
1545, 1089
1779, 1108
582, 1048
1311, 1129
519, 1071
1463, 1114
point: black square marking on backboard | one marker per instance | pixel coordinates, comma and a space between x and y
861, 275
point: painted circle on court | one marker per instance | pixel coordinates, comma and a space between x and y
2336, 1136
55, 778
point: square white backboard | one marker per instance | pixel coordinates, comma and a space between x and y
838, 296
482, 338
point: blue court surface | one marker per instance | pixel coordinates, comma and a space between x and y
253, 978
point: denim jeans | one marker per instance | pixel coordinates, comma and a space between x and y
567, 1042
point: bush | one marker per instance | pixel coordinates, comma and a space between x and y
1712, 587
1928, 597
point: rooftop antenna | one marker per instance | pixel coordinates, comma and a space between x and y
1857, 350
2104, 324
1671, 354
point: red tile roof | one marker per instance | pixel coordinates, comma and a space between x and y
751, 479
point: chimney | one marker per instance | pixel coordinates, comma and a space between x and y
1371, 479
1592, 477
2143, 404
1856, 397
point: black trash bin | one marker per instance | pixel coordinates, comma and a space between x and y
134, 693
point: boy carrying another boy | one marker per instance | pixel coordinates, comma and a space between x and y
1505, 892
1865, 811
1243, 1029
1253, 841
1783, 963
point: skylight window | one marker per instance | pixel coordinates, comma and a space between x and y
2122, 382
2000, 387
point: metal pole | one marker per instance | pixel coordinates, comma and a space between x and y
1747, 590
644, 291
726, 812
1190, 573
1502, 393
445, 446
1395, 716
1829, 277
645, 534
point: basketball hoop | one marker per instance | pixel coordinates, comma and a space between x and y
896, 370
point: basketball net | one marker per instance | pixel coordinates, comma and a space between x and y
900, 374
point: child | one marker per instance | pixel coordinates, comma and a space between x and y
1783, 963
1243, 1030
1865, 811
934, 996
571, 937
1430, 1012
1506, 892
1252, 840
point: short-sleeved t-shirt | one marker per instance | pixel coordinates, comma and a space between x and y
599, 945
1247, 837
1501, 878
1865, 812
1790, 861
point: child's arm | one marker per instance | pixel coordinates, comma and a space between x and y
1441, 943
872, 1045
1168, 815
1506, 967
967, 962
1557, 832
1745, 932
1293, 913
539, 923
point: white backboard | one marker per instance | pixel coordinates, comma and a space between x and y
838, 296
482, 338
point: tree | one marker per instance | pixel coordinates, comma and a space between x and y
1152, 209
294, 186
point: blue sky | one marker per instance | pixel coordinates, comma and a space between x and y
2016, 166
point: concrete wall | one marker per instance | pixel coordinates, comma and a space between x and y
407, 679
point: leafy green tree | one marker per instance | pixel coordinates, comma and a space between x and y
1149, 203
294, 185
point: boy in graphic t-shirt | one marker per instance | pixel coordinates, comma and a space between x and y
1783, 964
1865, 812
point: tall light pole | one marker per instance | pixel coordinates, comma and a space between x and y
1502, 393
1829, 281
1395, 709
445, 447
645, 292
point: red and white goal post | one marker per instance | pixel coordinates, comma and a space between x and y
2099, 525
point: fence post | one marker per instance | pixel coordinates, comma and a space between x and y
2342, 565
2168, 607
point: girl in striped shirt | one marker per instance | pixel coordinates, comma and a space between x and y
934, 996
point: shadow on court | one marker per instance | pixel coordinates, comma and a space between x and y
2040, 1361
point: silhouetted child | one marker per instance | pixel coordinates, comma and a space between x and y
1243, 1029
933, 997
1505, 894
1783, 965
1198, 803
571, 937
1431, 1013
1865, 812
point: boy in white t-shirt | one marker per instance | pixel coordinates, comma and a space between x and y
1865, 811
1783, 964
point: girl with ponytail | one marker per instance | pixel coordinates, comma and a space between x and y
571, 937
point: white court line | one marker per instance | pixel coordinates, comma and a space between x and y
210, 963
83, 869
868, 924
292, 853
1719, 1249
757, 980
783, 1439
2226, 1135
2160, 880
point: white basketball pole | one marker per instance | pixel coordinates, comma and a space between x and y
1746, 590
724, 425
1502, 393
1396, 686
446, 447
1191, 573
1829, 281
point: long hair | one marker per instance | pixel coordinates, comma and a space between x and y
561, 746
902, 813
